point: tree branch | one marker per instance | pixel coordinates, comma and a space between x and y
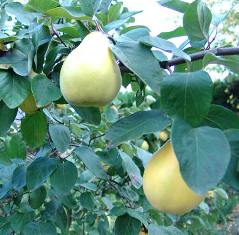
195, 56
200, 55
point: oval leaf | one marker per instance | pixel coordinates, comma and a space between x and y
203, 154
64, 177
136, 125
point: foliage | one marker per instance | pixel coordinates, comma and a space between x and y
77, 170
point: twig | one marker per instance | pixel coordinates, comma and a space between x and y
57, 34
96, 137
194, 56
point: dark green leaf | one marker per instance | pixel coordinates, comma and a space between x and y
37, 197
39, 228
15, 147
7, 116
89, 114
139, 58
60, 136
91, 160
44, 91
187, 95
87, 201
39, 171
14, 89
103, 226
53, 53
61, 219
19, 177
127, 225
232, 175
34, 129
196, 22
136, 125
222, 118
202, 165
19, 220
64, 177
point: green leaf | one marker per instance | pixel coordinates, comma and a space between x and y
7, 116
139, 58
202, 165
37, 197
104, 5
89, 7
103, 226
6, 38
136, 125
163, 230
132, 170
61, 219
231, 62
41, 36
67, 12
176, 5
232, 175
115, 11
91, 160
53, 53
15, 147
114, 25
64, 177
137, 214
87, 201
41, 5
164, 45
60, 136
19, 220
17, 9
14, 89
195, 92
89, 114
178, 32
127, 225
44, 91
143, 155
39, 171
19, 177
34, 129
196, 22
222, 118
39, 228
20, 57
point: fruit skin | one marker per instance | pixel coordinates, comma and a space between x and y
90, 75
164, 186
61, 106
145, 145
143, 233
29, 105
163, 135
